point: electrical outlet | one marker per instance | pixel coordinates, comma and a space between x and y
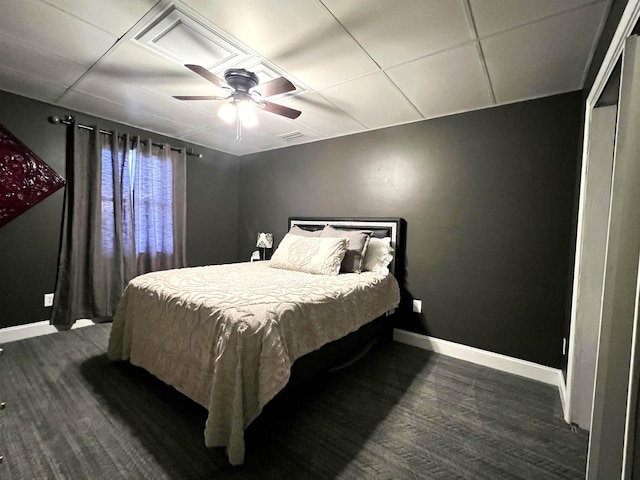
417, 306
48, 299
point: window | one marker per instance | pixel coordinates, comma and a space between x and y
144, 185
153, 204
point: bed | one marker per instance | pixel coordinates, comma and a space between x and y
229, 336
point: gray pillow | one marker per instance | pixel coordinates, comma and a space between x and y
358, 242
301, 232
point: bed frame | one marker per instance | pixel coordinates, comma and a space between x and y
346, 350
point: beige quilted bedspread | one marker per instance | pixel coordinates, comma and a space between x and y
227, 335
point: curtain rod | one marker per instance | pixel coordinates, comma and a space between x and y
68, 120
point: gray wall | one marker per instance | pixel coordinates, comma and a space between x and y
29, 244
488, 197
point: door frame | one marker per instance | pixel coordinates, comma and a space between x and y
627, 22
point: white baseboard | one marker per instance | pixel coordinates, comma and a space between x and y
20, 332
497, 361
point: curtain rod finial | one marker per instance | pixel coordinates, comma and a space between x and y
55, 119
191, 153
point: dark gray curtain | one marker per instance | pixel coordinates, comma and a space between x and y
124, 214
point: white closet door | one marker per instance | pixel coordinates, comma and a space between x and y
589, 272
609, 417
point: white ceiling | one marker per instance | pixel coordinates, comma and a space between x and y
357, 64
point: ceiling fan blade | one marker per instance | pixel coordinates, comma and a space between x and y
207, 75
279, 109
275, 87
198, 97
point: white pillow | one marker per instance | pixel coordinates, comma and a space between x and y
378, 256
310, 254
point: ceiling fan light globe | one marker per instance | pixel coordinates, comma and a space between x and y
247, 114
228, 112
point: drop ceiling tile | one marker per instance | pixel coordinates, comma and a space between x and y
157, 124
51, 33
298, 36
98, 107
102, 108
137, 98
447, 82
275, 126
526, 62
134, 63
373, 101
223, 137
137, 65
29, 86
492, 16
198, 113
256, 138
272, 131
35, 62
394, 33
114, 16
321, 116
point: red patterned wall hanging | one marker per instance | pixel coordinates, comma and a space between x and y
24, 178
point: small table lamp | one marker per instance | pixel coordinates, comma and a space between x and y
265, 240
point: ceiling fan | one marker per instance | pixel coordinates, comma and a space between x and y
245, 95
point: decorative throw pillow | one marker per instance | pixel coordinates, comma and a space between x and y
296, 230
310, 254
358, 242
378, 255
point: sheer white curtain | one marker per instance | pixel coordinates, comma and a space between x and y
124, 215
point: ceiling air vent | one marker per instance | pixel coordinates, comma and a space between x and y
291, 135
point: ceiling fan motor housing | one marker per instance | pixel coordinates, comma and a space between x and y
241, 80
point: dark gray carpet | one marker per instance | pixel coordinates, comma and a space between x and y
398, 413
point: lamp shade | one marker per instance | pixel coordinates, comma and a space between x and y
265, 240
